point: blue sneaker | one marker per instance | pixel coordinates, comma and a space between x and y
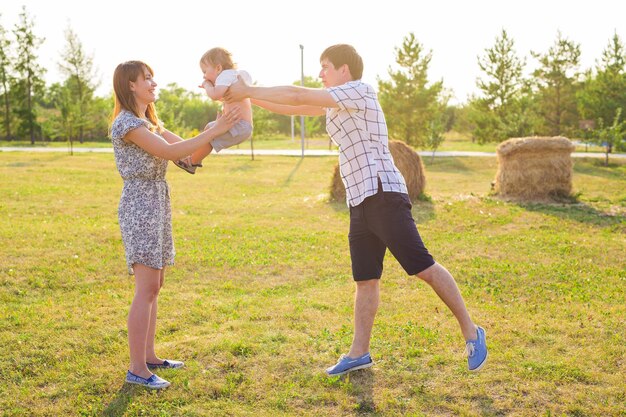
154, 382
347, 364
477, 350
167, 364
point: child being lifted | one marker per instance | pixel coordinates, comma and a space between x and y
219, 72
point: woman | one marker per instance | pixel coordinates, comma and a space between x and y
142, 148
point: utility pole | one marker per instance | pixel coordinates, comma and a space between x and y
302, 84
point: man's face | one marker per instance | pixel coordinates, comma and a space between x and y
331, 76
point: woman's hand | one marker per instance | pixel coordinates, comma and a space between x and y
226, 121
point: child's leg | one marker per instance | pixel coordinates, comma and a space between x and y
200, 154
147, 285
241, 131
151, 356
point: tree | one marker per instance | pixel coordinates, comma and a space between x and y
313, 125
64, 120
5, 80
605, 91
411, 104
557, 79
78, 69
611, 136
183, 111
435, 134
29, 82
503, 109
265, 122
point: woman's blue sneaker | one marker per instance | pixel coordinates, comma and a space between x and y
167, 364
477, 350
154, 382
347, 364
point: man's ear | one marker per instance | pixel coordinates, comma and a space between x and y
345, 70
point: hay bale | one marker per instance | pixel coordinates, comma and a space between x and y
337, 189
409, 164
534, 169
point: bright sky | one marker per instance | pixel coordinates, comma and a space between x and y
264, 35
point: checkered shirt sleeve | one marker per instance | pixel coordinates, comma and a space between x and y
358, 127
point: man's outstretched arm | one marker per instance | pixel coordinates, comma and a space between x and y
288, 94
290, 110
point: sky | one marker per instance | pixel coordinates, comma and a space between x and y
264, 36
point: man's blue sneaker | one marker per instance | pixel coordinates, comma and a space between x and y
154, 382
477, 350
347, 364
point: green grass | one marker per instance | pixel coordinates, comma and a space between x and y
260, 299
273, 142
454, 142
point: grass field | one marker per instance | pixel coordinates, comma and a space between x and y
453, 142
260, 299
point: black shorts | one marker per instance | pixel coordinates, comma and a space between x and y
383, 221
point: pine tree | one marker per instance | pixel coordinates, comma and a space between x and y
412, 106
556, 80
29, 81
77, 66
604, 92
503, 108
5, 80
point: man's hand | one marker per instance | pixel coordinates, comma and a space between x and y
237, 91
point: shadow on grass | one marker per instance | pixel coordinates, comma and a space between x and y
292, 173
487, 408
123, 397
423, 211
35, 160
595, 167
363, 391
455, 165
579, 212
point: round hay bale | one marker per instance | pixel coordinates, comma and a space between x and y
534, 169
409, 164
337, 189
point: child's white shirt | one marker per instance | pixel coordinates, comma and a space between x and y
229, 76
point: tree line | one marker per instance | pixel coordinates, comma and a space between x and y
557, 98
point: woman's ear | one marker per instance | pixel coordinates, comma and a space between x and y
131, 86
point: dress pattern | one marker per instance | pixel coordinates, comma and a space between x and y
144, 212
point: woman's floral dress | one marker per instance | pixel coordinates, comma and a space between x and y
144, 213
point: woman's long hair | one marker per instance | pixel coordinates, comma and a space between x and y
125, 99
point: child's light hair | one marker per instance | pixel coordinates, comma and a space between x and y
218, 56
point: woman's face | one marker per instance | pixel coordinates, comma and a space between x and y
144, 88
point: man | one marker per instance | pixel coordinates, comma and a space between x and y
380, 209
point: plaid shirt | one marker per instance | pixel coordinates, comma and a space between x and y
358, 127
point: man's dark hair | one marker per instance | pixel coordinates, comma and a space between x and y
342, 54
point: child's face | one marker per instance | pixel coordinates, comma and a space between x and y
210, 72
